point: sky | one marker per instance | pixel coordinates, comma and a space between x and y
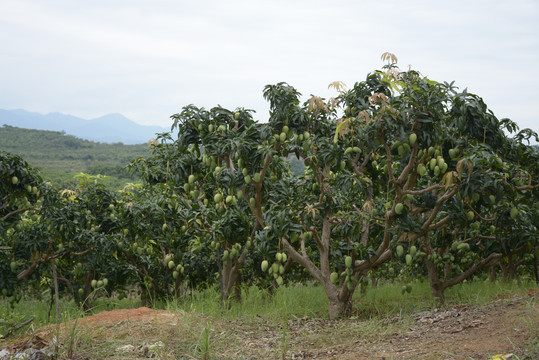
148, 59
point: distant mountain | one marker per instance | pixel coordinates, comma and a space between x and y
110, 128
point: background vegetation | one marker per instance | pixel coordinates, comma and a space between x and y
60, 157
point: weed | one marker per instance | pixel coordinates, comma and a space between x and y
70, 344
203, 344
284, 332
11, 322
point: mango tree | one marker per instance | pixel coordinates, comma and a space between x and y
362, 170
18, 189
155, 243
19, 195
64, 248
391, 147
218, 169
516, 226
323, 218
447, 176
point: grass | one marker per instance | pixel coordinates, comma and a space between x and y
532, 349
301, 301
203, 345
384, 301
294, 316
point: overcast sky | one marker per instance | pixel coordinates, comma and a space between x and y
148, 59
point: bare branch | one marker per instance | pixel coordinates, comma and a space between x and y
15, 328
317, 239
482, 237
82, 252
362, 265
303, 250
412, 179
389, 162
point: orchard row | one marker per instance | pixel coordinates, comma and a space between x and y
402, 172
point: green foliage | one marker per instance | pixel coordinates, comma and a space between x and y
19, 189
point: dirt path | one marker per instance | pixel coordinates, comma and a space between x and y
504, 326
501, 327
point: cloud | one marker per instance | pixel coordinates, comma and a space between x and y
147, 59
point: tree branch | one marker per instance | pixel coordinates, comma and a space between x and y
482, 218
482, 264
303, 261
440, 223
409, 167
423, 191
362, 265
14, 212
412, 179
29, 270
389, 162
527, 187
439, 202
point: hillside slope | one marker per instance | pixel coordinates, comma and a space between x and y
60, 156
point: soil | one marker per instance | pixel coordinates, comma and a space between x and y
507, 325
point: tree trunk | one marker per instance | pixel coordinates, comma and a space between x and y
492, 273
448, 268
230, 283
436, 286
339, 298
179, 287
508, 268
337, 308
86, 296
237, 287
437, 291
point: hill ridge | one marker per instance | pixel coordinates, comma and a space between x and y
109, 128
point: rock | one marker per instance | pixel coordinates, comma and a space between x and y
31, 354
157, 346
153, 349
126, 348
4, 354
